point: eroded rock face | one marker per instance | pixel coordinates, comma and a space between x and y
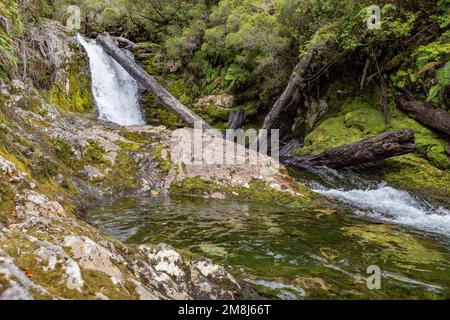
10, 171
93, 256
188, 279
33, 208
19, 285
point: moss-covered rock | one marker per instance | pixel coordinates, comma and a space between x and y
73, 94
358, 117
256, 190
415, 174
332, 132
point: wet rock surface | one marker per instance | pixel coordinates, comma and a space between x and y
55, 165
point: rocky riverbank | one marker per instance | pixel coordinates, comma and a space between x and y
55, 164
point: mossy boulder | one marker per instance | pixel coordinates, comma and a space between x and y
360, 116
332, 132
262, 180
255, 191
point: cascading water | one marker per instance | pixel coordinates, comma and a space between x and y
395, 206
114, 90
377, 200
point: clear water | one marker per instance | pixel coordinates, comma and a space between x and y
292, 253
115, 92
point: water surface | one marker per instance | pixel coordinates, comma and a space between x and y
291, 253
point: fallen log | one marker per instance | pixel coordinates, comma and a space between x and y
425, 113
125, 43
149, 83
236, 119
385, 145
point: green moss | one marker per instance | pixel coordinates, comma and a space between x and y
429, 144
124, 171
78, 97
193, 186
2, 116
162, 155
63, 149
365, 120
94, 154
330, 133
184, 167
218, 113
53, 281
266, 291
257, 191
6, 201
4, 284
250, 108
178, 87
403, 246
413, 173
18, 161
99, 282
137, 137
360, 117
129, 146
156, 114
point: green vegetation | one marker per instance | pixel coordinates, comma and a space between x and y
74, 95
10, 24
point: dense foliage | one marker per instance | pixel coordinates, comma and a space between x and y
248, 48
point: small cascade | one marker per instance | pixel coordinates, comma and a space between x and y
391, 205
115, 92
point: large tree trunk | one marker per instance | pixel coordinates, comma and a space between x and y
436, 118
385, 145
291, 94
147, 81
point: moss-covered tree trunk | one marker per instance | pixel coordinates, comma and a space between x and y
385, 145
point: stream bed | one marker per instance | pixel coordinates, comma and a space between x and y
292, 253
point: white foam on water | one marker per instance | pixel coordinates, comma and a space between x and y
394, 206
115, 92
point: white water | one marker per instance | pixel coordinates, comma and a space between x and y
395, 206
115, 91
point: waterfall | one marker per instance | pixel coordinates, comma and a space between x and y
115, 91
